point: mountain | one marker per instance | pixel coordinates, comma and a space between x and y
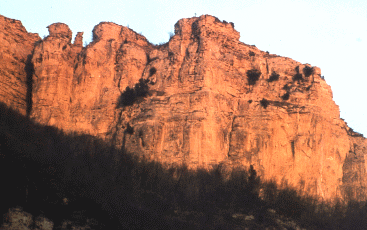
203, 98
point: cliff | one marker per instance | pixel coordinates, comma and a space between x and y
16, 48
204, 98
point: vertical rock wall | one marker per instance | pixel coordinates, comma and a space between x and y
212, 99
16, 46
53, 61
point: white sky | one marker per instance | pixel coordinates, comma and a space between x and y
330, 34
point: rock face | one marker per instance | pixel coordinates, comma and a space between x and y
16, 46
53, 62
212, 99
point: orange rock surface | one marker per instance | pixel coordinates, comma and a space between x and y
16, 46
212, 99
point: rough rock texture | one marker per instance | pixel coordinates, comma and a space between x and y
212, 99
79, 40
53, 62
16, 46
43, 223
77, 89
354, 169
16, 218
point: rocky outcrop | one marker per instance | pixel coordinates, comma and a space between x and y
77, 89
18, 219
53, 62
210, 99
16, 46
214, 110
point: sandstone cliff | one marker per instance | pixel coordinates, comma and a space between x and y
16, 46
212, 99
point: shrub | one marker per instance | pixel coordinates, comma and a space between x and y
129, 129
289, 203
273, 77
264, 103
130, 95
270, 192
141, 88
253, 76
297, 77
251, 54
152, 71
285, 96
286, 87
308, 71
127, 97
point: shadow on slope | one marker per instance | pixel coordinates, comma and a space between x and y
41, 166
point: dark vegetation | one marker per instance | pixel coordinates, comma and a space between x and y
253, 76
152, 71
297, 77
285, 96
41, 165
308, 71
224, 21
251, 54
129, 129
264, 103
131, 95
273, 77
286, 87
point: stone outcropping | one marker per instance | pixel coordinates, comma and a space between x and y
212, 99
16, 218
16, 46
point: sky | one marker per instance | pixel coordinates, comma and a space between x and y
330, 34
